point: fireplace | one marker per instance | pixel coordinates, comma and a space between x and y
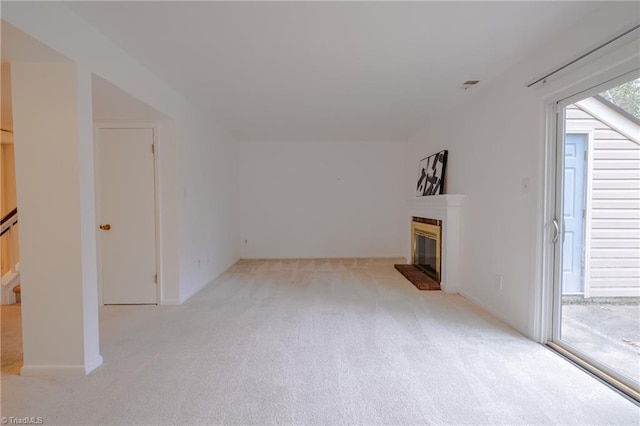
447, 208
426, 246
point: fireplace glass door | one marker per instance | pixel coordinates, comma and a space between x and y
426, 247
426, 254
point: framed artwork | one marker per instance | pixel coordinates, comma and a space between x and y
431, 174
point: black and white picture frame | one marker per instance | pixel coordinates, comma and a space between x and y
431, 174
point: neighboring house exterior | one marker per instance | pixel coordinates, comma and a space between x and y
612, 197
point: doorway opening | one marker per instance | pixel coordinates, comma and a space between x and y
597, 262
10, 288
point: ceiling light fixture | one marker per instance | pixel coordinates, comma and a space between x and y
469, 83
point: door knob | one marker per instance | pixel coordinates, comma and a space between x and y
105, 227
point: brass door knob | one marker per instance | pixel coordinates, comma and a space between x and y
105, 227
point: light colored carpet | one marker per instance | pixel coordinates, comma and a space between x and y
341, 341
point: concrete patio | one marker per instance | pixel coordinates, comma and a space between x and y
606, 328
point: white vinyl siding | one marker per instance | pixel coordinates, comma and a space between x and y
614, 225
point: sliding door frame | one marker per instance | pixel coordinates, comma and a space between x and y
552, 269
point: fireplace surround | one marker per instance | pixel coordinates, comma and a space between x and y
446, 208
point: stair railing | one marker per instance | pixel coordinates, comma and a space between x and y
12, 277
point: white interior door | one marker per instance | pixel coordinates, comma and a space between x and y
127, 216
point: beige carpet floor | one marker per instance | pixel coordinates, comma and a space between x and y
341, 341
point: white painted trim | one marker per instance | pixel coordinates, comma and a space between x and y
588, 214
608, 81
576, 65
170, 302
90, 366
547, 325
611, 118
96, 182
581, 81
616, 292
328, 256
542, 309
157, 213
557, 201
490, 310
52, 370
599, 81
156, 187
60, 370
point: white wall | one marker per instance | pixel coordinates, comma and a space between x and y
300, 200
496, 142
56, 202
198, 166
207, 204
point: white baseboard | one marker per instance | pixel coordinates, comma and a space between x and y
492, 312
386, 256
449, 289
170, 302
90, 366
60, 370
52, 370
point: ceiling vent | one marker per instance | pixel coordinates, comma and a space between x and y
469, 83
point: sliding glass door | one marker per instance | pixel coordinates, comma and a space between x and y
597, 231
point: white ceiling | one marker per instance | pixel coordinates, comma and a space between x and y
327, 70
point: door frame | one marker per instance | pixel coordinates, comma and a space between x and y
156, 188
570, 91
588, 192
550, 305
554, 167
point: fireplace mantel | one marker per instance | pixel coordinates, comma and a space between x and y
447, 208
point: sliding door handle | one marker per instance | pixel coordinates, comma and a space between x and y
556, 231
